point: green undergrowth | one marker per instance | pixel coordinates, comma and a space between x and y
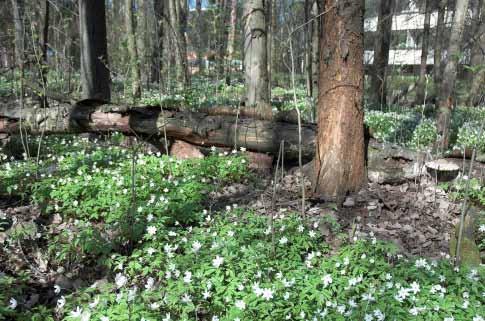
225, 268
141, 221
416, 128
474, 190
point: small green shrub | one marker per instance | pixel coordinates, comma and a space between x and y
390, 126
471, 135
424, 135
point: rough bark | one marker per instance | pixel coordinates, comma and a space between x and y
340, 157
231, 39
255, 54
95, 78
421, 86
194, 127
132, 50
445, 102
378, 77
478, 60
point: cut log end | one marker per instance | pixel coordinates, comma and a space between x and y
442, 170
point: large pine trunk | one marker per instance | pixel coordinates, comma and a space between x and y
445, 102
255, 55
378, 77
339, 160
95, 78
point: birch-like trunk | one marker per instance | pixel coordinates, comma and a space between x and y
255, 55
231, 39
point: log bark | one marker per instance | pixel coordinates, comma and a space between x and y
193, 127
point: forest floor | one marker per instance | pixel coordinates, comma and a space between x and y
417, 215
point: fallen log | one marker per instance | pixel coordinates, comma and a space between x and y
193, 127
208, 128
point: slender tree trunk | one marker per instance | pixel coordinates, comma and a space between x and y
477, 91
255, 55
269, 39
200, 44
132, 50
43, 63
221, 35
308, 46
95, 78
156, 59
142, 33
181, 66
339, 160
315, 31
421, 88
272, 42
438, 45
183, 10
445, 102
18, 17
231, 39
378, 77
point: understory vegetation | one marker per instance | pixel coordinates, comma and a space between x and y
139, 231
